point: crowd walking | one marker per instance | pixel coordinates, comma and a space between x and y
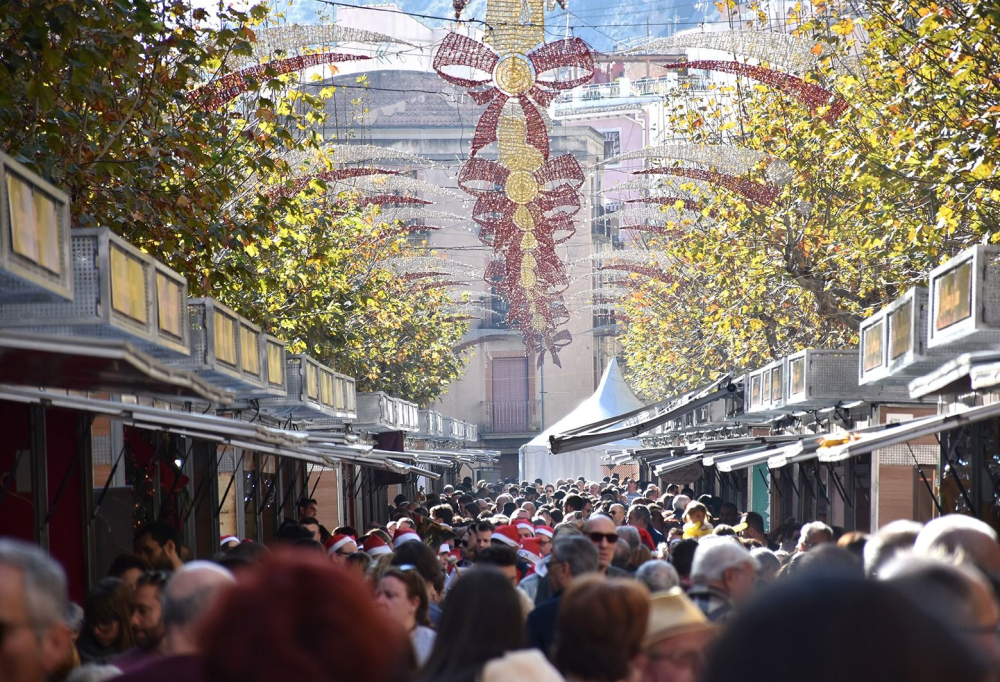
609, 581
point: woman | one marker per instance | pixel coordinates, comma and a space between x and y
599, 630
402, 594
460, 651
107, 616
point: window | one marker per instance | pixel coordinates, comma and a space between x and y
612, 143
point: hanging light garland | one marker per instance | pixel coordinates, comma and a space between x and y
299, 183
292, 37
226, 88
756, 192
525, 200
727, 158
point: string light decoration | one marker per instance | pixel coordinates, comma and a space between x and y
525, 200
791, 52
230, 86
407, 213
393, 184
364, 153
384, 199
727, 158
299, 183
689, 204
292, 37
756, 192
812, 96
637, 214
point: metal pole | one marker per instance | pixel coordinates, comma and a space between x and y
541, 371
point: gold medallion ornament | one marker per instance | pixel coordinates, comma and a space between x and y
537, 322
529, 242
523, 219
521, 187
528, 278
513, 75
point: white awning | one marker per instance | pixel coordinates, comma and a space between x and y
675, 464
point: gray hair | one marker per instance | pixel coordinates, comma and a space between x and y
183, 606
46, 596
91, 672
577, 552
890, 539
680, 502
630, 535
814, 527
658, 575
716, 555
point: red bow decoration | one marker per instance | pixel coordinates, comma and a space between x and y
460, 51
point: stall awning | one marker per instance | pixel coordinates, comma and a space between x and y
906, 431
677, 463
966, 373
592, 435
96, 365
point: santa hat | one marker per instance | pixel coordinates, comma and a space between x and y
544, 530
336, 542
646, 538
445, 548
531, 549
404, 535
229, 538
525, 524
507, 535
374, 546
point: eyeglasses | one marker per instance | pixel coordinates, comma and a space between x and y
610, 538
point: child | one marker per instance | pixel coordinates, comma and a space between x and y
695, 525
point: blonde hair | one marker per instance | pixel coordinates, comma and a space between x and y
694, 506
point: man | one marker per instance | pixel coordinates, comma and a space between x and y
443, 514
312, 525
147, 622
814, 534
188, 597
617, 513
751, 527
652, 493
530, 495
484, 535
677, 635
35, 638
572, 556
723, 576
658, 576
502, 558
600, 529
544, 535
159, 544
639, 517
729, 514
339, 547
631, 492
306, 509
961, 536
574, 503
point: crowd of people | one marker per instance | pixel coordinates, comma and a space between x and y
610, 581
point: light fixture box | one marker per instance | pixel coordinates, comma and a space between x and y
313, 391
820, 378
964, 301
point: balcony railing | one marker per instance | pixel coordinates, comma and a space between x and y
511, 416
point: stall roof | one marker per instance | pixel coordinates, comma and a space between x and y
595, 433
906, 431
676, 463
966, 373
99, 365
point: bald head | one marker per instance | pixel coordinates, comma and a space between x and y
187, 598
963, 537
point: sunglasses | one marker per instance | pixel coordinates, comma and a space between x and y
610, 538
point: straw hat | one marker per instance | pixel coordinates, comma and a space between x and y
672, 613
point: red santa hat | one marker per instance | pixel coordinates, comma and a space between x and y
336, 542
375, 546
508, 535
229, 538
544, 530
646, 538
531, 549
525, 524
404, 535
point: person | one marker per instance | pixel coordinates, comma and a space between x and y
961, 536
147, 621
460, 652
187, 598
604, 648
677, 637
339, 547
572, 557
314, 620
681, 557
576, 503
402, 595
306, 509
36, 639
602, 532
544, 534
813, 535
484, 535
617, 514
868, 632
696, 523
502, 559
429, 566
657, 575
159, 544
312, 525
729, 514
723, 576
639, 517
128, 567
107, 616
751, 527
631, 491
890, 540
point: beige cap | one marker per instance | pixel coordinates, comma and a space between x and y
672, 613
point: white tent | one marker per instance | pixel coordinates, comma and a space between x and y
612, 398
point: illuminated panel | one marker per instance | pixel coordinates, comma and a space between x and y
128, 285
776, 387
953, 296
326, 388
873, 344
900, 322
755, 390
312, 381
275, 364
170, 306
225, 338
34, 224
797, 368
250, 351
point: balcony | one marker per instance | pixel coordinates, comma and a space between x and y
511, 417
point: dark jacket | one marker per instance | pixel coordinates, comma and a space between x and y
541, 625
